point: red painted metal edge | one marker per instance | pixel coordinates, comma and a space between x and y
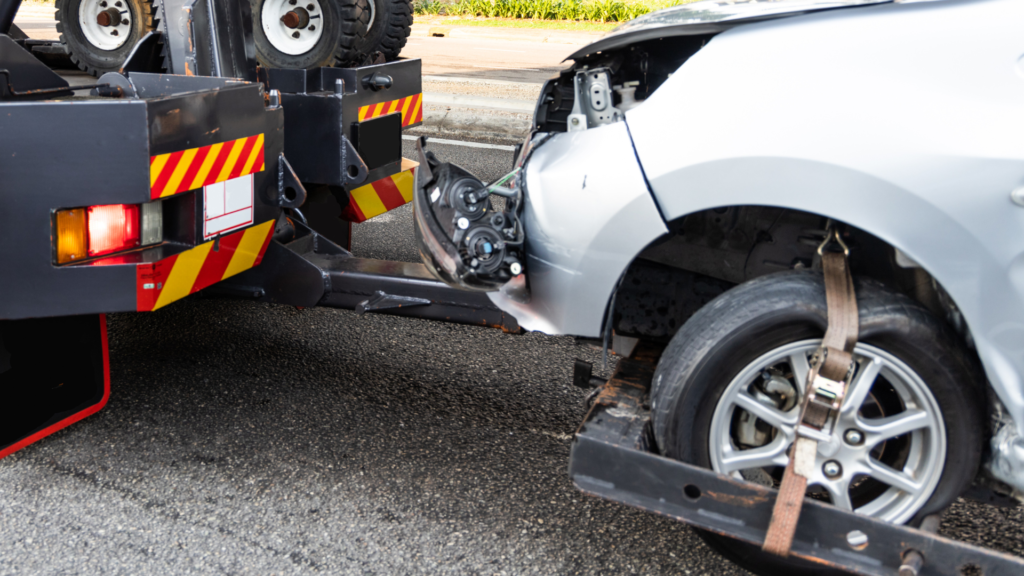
75, 417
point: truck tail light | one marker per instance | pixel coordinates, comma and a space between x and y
98, 230
113, 228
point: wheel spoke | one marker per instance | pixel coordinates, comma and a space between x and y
858, 390
801, 367
773, 416
894, 478
839, 492
771, 454
881, 429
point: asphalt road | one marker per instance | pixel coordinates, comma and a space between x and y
246, 438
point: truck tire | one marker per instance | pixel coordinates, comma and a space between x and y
747, 349
373, 26
100, 34
296, 34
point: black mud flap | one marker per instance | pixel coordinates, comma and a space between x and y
53, 373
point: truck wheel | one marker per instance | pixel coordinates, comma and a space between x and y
295, 34
373, 26
727, 392
100, 34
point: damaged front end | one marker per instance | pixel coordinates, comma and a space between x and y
464, 239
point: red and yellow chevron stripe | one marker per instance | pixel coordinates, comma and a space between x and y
378, 197
410, 107
171, 279
178, 172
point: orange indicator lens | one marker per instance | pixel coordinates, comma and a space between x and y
113, 228
70, 235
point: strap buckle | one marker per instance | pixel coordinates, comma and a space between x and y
828, 392
832, 235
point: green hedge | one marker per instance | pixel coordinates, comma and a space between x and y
589, 10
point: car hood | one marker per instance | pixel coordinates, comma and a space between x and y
708, 17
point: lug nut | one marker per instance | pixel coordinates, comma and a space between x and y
114, 33
311, 28
832, 469
853, 437
125, 22
296, 34
310, 7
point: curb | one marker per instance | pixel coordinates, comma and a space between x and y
519, 34
495, 126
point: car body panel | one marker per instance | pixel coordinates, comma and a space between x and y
588, 212
886, 124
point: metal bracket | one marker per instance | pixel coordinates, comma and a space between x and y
290, 191
383, 301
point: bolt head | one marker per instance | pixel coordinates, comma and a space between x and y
516, 268
575, 121
832, 469
1017, 196
463, 223
853, 437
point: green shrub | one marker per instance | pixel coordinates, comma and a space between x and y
588, 10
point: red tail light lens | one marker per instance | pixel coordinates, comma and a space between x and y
113, 228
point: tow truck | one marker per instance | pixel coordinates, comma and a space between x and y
191, 168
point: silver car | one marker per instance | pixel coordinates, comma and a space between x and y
683, 173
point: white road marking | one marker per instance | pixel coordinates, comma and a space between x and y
461, 143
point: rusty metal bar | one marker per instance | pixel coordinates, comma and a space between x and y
611, 458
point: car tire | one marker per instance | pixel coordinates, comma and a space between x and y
707, 358
316, 42
95, 48
373, 26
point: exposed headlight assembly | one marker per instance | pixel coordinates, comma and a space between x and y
463, 239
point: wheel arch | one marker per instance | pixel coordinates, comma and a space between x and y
984, 282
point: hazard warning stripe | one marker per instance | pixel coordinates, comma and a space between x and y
378, 197
171, 279
178, 172
410, 107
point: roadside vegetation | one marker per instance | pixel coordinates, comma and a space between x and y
565, 10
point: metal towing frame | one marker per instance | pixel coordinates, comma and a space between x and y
614, 457
315, 138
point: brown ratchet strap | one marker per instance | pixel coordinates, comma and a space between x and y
827, 379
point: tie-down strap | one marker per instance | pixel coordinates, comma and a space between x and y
827, 380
